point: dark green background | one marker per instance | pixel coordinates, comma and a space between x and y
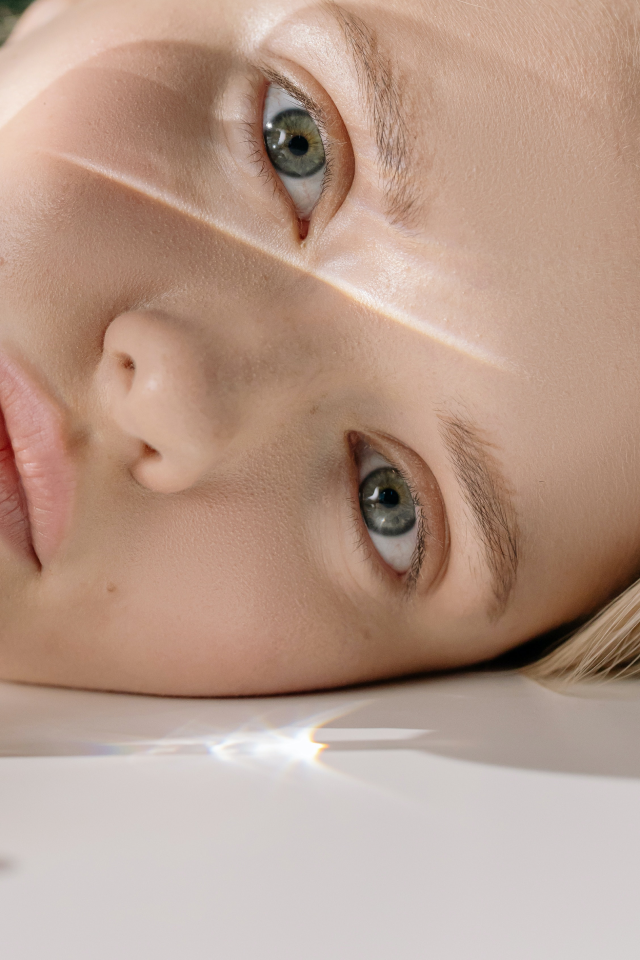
15, 6
9, 10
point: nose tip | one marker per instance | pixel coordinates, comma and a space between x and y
154, 385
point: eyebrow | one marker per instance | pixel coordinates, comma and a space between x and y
382, 91
486, 493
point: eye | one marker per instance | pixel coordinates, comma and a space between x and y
295, 148
388, 509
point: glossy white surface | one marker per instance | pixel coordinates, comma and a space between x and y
472, 817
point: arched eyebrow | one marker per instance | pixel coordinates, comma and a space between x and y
485, 491
381, 89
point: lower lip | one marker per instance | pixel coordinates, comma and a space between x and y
37, 478
15, 529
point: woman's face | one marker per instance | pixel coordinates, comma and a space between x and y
202, 362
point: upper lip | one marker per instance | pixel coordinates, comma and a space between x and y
35, 425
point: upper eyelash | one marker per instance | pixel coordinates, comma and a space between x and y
255, 137
417, 558
312, 108
412, 574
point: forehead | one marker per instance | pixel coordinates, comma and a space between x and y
521, 32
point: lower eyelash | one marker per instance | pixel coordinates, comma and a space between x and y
258, 155
363, 542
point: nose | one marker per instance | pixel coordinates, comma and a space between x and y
154, 385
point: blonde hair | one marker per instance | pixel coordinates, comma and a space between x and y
605, 647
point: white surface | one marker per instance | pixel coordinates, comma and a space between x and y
437, 823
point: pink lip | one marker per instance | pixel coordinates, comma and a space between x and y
37, 477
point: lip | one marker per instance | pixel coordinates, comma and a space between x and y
37, 476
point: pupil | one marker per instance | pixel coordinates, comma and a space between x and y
389, 497
298, 146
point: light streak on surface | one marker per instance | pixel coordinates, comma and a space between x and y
289, 745
274, 746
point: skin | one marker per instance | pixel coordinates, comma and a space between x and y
215, 545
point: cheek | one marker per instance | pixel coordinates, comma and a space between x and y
199, 600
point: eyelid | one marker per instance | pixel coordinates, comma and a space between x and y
306, 192
340, 165
433, 561
317, 115
410, 577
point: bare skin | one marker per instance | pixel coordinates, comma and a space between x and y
464, 304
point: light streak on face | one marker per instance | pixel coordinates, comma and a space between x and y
355, 293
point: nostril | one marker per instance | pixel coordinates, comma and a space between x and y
127, 362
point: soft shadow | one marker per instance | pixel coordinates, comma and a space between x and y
487, 717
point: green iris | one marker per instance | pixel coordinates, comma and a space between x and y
294, 144
386, 503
